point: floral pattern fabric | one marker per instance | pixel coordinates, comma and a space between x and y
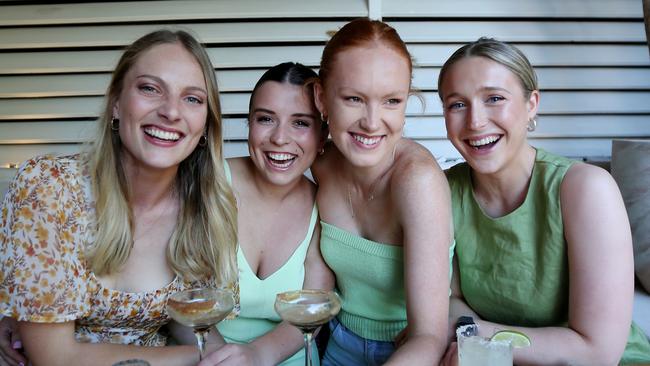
48, 218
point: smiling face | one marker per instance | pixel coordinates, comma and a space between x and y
364, 98
284, 131
162, 108
486, 112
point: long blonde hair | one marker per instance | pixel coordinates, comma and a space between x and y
203, 245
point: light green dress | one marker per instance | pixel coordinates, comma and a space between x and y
257, 315
514, 269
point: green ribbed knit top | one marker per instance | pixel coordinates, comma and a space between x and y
514, 269
370, 281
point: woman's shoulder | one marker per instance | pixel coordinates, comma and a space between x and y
413, 160
44, 170
581, 176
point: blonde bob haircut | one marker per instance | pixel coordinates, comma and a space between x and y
499, 52
203, 245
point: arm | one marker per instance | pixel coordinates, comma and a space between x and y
284, 340
54, 344
422, 199
601, 283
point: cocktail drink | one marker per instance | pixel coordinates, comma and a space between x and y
307, 310
474, 350
200, 309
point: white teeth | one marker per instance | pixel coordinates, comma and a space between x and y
280, 156
483, 141
281, 160
367, 140
163, 135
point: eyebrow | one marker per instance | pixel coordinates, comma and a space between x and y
264, 110
161, 81
485, 88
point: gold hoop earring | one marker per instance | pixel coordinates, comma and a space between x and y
115, 124
532, 125
203, 140
324, 119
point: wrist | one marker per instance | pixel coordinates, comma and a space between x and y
466, 326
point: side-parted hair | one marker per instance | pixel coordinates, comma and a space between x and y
287, 72
361, 32
203, 244
497, 51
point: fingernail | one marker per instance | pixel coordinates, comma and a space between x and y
17, 345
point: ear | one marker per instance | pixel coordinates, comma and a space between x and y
533, 104
319, 98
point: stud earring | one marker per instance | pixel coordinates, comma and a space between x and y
115, 124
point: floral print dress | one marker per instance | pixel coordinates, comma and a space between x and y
48, 219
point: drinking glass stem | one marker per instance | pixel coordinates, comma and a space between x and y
308, 337
200, 341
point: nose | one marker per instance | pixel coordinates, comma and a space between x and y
279, 135
170, 109
372, 119
476, 118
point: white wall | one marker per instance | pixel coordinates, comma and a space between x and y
591, 56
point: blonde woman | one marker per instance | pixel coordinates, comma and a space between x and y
91, 245
543, 243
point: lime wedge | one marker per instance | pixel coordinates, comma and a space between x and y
517, 339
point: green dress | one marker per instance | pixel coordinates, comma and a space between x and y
514, 269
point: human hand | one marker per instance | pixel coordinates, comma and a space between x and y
451, 355
233, 354
10, 345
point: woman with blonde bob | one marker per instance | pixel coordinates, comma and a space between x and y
92, 244
543, 243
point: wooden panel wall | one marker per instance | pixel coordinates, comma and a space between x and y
591, 57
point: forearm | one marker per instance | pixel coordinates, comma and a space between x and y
278, 344
549, 345
555, 346
54, 344
108, 354
419, 350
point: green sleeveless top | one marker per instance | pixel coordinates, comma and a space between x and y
370, 281
257, 315
514, 269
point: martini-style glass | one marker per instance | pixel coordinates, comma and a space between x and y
307, 310
200, 309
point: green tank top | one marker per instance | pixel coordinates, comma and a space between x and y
370, 281
257, 315
514, 269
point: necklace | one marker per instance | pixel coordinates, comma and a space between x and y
373, 186
371, 194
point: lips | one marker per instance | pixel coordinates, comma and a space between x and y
281, 160
367, 141
161, 134
483, 142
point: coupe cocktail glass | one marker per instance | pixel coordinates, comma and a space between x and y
474, 350
200, 309
307, 310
